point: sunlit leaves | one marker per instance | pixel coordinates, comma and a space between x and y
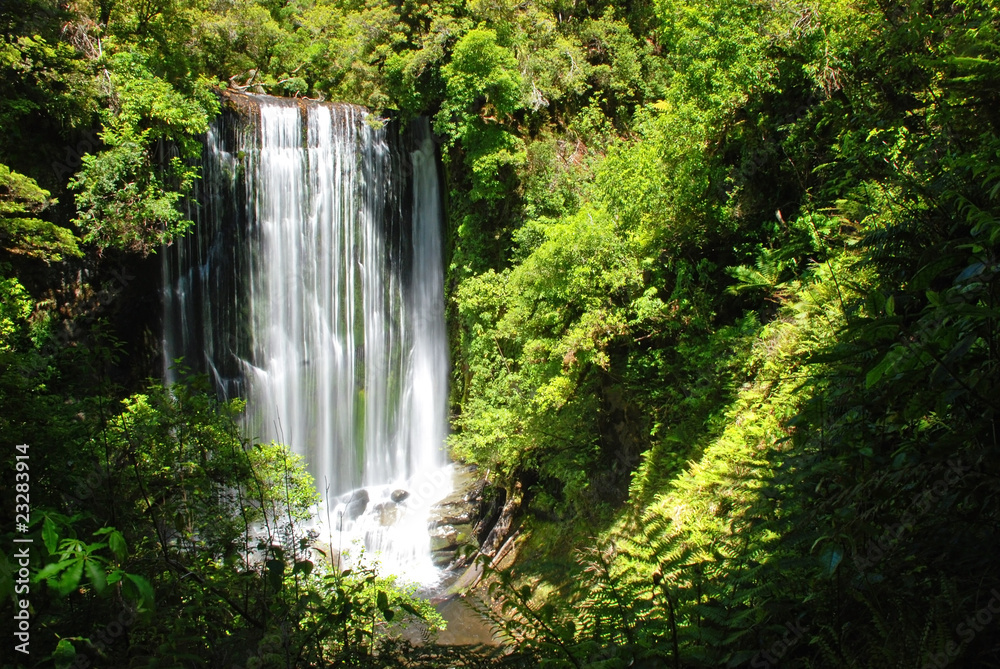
129, 194
22, 231
482, 78
15, 307
543, 332
483, 88
42, 77
74, 558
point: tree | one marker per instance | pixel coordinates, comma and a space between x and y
129, 194
21, 231
483, 90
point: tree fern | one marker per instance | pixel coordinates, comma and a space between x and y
766, 274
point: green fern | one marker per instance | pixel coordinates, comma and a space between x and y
766, 275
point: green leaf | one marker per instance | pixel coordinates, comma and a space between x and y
51, 570
409, 608
50, 535
275, 573
64, 654
143, 588
879, 370
71, 577
830, 559
96, 575
973, 270
740, 657
116, 542
303, 566
382, 601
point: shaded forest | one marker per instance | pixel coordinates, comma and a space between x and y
722, 300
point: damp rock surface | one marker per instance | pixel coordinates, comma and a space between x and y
357, 502
387, 512
453, 520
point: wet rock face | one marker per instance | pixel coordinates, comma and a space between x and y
387, 513
491, 504
454, 515
442, 559
443, 538
452, 521
476, 516
462, 505
356, 504
463, 514
502, 527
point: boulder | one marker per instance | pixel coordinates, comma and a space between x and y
466, 537
442, 559
398, 496
356, 503
450, 515
444, 538
387, 512
461, 507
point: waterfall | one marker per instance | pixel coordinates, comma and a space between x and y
313, 287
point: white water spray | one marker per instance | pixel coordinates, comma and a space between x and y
313, 287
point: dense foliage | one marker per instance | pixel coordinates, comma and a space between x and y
722, 285
793, 292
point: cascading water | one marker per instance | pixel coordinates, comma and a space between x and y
313, 287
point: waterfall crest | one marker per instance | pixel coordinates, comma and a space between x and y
313, 287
